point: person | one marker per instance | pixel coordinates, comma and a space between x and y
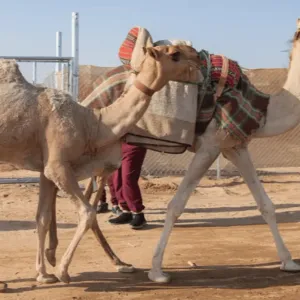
126, 188
126, 198
103, 205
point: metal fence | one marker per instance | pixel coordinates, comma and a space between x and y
280, 152
64, 70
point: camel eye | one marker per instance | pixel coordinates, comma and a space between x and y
175, 56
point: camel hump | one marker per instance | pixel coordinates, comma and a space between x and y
10, 72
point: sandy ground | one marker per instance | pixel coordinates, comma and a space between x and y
221, 232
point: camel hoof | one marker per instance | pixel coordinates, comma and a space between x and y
47, 278
290, 266
63, 277
50, 255
125, 269
3, 287
159, 276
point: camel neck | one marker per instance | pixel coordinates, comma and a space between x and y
116, 119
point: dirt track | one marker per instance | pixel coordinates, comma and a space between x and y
221, 232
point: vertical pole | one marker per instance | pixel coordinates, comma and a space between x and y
75, 54
63, 77
58, 73
34, 72
218, 168
70, 77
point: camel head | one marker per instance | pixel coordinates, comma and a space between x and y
297, 34
175, 63
296, 42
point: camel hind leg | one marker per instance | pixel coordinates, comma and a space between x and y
242, 160
43, 220
50, 252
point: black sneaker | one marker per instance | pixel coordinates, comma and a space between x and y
116, 210
102, 208
123, 218
138, 221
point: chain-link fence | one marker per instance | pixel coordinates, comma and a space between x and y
285, 148
281, 151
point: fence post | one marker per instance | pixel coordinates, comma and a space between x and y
58, 74
34, 72
218, 168
75, 54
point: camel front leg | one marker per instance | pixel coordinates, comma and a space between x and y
89, 189
242, 160
100, 180
53, 240
63, 176
43, 219
202, 160
121, 266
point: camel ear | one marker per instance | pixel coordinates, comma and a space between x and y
144, 40
298, 24
153, 53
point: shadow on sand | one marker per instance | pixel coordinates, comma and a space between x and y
16, 225
222, 277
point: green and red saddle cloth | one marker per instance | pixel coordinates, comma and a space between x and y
240, 108
238, 111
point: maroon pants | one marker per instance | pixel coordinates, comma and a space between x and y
113, 198
123, 184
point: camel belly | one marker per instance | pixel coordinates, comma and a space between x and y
27, 159
107, 159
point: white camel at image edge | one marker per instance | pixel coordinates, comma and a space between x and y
44, 130
283, 114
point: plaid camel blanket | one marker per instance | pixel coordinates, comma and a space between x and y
238, 111
241, 107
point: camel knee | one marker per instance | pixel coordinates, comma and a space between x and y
87, 216
43, 221
50, 172
174, 210
267, 210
